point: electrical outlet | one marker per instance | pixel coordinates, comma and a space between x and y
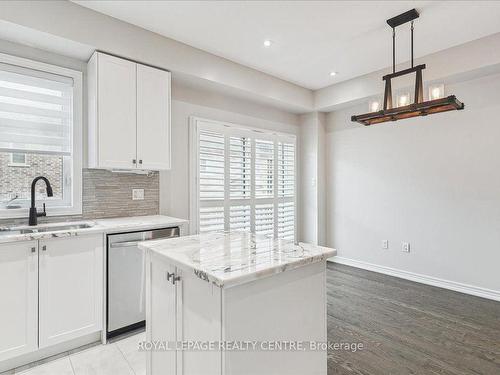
385, 244
405, 247
137, 194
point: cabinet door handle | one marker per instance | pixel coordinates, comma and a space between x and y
44, 248
140, 161
33, 249
172, 278
134, 161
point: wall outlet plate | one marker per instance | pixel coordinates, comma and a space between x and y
405, 247
385, 244
137, 194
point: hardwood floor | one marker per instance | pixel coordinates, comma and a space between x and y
408, 328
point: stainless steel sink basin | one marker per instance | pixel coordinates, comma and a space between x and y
11, 231
5, 231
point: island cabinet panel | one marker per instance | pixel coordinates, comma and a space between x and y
19, 296
199, 320
178, 312
161, 317
238, 303
71, 282
289, 306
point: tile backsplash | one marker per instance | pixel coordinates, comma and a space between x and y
109, 194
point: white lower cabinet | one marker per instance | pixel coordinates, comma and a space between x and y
19, 296
180, 309
50, 292
71, 277
164, 295
288, 307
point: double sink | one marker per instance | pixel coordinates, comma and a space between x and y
49, 228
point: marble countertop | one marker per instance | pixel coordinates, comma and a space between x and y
233, 258
114, 225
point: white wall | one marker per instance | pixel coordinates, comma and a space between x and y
432, 181
174, 184
312, 178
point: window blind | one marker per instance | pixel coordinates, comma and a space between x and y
35, 111
245, 180
264, 169
211, 180
240, 162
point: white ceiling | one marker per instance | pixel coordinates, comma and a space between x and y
310, 38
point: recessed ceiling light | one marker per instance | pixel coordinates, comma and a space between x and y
267, 43
333, 74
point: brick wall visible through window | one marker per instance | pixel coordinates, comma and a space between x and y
16, 180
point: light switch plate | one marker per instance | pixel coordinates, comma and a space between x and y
137, 194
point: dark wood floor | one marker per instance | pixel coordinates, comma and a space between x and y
408, 328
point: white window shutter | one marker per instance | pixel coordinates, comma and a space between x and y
211, 181
240, 167
211, 156
264, 169
240, 218
264, 219
286, 169
286, 220
246, 180
211, 219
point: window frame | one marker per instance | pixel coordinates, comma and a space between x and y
76, 158
243, 131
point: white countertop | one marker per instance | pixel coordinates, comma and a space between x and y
114, 225
228, 259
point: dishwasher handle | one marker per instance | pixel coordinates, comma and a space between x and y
124, 244
150, 236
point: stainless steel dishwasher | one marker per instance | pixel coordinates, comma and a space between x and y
126, 279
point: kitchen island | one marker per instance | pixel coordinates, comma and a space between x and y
235, 303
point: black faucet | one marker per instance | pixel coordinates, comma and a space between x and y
33, 214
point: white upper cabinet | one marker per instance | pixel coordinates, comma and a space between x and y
19, 296
153, 118
70, 283
129, 114
115, 119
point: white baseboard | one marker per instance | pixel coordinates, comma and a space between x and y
429, 280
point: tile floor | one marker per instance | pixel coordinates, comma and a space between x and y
117, 358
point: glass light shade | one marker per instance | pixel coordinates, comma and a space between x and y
374, 105
436, 91
403, 99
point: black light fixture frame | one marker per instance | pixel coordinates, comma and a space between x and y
418, 107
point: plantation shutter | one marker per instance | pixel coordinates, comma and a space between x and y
35, 111
246, 180
286, 190
211, 181
264, 169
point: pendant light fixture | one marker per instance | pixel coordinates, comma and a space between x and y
418, 107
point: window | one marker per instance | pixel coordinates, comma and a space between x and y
40, 134
18, 160
242, 179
